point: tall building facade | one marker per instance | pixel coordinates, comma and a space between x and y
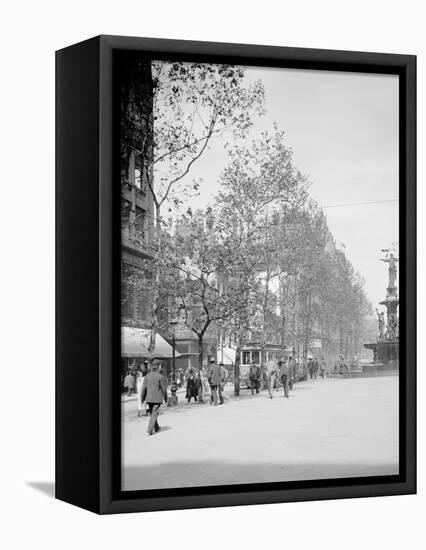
137, 205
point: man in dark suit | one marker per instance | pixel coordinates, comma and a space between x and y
315, 367
154, 391
254, 377
214, 376
292, 368
284, 374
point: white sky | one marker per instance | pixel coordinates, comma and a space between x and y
343, 129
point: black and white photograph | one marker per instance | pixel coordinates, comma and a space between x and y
259, 273
212, 280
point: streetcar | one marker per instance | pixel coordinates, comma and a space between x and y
253, 353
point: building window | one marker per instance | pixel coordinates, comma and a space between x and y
138, 178
138, 173
246, 357
124, 165
140, 222
135, 295
125, 215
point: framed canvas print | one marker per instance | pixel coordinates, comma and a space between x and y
236, 284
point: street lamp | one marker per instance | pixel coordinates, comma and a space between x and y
173, 399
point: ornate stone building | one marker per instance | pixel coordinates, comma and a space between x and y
137, 206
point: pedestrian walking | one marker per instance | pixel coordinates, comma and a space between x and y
311, 368
284, 375
139, 384
129, 382
292, 367
271, 375
145, 372
154, 392
323, 368
204, 390
223, 379
192, 385
214, 376
315, 367
254, 377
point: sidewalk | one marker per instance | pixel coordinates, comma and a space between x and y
228, 394
327, 428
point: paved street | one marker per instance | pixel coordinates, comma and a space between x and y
327, 428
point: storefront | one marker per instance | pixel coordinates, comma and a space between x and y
134, 349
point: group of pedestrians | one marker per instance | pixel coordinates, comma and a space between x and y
283, 371
313, 368
151, 384
202, 388
317, 368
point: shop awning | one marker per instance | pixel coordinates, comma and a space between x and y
135, 342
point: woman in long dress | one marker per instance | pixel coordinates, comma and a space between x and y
191, 387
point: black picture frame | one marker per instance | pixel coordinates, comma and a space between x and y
88, 277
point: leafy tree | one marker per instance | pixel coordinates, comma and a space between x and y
170, 113
198, 277
259, 181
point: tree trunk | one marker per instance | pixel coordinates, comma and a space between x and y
308, 324
157, 278
200, 351
340, 337
200, 364
265, 313
237, 367
283, 318
293, 317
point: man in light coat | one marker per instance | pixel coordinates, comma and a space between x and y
129, 382
271, 375
154, 391
223, 379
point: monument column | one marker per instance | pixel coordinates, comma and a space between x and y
386, 349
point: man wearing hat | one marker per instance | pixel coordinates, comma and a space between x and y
154, 391
254, 377
214, 376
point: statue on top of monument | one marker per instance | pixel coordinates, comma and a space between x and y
391, 260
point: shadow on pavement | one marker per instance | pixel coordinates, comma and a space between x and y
46, 487
205, 473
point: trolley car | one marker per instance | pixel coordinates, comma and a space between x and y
253, 353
